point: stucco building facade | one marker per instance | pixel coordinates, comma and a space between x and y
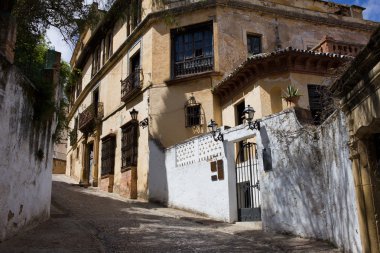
164, 63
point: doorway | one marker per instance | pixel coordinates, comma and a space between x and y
90, 162
247, 183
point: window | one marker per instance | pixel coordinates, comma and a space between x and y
95, 101
320, 102
129, 145
134, 15
134, 62
78, 87
108, 154
193, 113
253, 44
96, 60
109, 46
192, 50
73, 134
239, 110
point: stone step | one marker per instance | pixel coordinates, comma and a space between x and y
254, 225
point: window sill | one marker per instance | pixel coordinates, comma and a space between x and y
127, 168
191, 77
106, 176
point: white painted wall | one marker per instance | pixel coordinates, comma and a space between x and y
310, 190
181, 177
25, 181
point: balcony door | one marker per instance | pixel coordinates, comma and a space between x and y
135, 62
95, 100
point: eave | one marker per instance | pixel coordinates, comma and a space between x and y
281, 61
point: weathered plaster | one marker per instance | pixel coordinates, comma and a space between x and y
186, 182
310, 189
25, 182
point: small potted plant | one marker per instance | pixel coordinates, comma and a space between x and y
291, 96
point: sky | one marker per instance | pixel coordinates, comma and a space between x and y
372, 12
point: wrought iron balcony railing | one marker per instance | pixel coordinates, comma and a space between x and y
90, 117
193, 66
131, 85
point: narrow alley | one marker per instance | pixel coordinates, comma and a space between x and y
87, 220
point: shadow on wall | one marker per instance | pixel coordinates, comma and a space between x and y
310, 191
157, 177
167, 119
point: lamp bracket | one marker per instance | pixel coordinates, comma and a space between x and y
144, 123
254, 125
218, 136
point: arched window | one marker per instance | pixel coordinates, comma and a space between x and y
193, 113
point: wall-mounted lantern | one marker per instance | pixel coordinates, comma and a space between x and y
216, 132
144, 123
249, 113
134, 114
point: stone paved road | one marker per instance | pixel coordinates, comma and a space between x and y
87, 220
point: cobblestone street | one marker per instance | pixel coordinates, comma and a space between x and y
87, 220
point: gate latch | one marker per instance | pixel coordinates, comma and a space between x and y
257, 185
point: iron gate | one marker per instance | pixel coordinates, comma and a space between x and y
247, 183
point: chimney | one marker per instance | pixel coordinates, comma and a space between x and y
7, 30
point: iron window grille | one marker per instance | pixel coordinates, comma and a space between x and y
108, 155
253, 44
320, 102
129, 145
192, 50
193, 113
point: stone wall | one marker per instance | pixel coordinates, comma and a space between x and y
26, 151
310, 189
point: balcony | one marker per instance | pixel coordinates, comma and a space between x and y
330, 45
91, 116
194, 66
131, 86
